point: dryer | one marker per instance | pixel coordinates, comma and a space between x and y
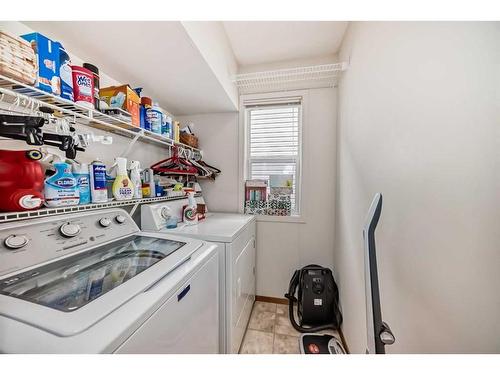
234, 235
94, 283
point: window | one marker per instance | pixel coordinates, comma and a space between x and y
274, 144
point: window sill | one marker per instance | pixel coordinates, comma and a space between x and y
280, 219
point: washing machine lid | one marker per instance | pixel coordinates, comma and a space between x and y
217, 227
68, 296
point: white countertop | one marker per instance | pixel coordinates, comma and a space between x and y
216, 227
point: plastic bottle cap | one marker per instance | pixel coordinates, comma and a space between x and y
146, 101
91, 67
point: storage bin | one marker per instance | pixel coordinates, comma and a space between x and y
124, 95
189, 139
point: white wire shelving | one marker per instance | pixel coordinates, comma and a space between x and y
326, 74
22, 98
45, 212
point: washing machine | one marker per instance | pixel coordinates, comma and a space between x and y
234, 235
92, 282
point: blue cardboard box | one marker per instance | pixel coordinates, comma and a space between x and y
47, 54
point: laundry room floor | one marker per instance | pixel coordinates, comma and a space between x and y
269, 331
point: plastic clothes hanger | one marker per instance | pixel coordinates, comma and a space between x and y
174, 165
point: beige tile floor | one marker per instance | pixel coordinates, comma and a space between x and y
270, 331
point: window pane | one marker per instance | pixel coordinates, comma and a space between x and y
274, 132
262, 170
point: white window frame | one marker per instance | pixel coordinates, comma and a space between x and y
272, 99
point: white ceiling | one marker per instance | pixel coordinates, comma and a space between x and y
263, 42
158, 56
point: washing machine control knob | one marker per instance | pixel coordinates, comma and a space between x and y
105, 222
70, 230
120, 219
166, 213
14, 242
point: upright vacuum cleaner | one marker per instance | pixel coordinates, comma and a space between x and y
317, 309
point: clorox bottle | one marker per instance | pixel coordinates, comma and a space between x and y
61, 189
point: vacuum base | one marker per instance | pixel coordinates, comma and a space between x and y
316, 343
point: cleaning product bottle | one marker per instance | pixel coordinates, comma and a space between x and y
98, 189
177, 131
164, 123
158, 188
135, 177
123, 188
146, 192
61, 189
190, 213
146, 103
153, 116
168, 127
148, 183
82, 175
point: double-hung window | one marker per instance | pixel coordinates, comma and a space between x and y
273, 145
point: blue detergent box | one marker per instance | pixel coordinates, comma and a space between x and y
47, 54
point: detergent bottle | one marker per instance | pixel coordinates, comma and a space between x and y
123, 188
98, 191
61, 189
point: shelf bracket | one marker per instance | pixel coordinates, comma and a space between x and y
131, 144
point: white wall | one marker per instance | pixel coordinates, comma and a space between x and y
418, 121
218, 135
282, 247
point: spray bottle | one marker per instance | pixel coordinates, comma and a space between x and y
123, 188
135, 177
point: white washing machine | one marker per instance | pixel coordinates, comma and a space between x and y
94, 283
234, 234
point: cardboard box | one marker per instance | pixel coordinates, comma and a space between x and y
47, 61
123, 97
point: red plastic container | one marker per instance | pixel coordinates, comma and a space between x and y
21, 180
83, 86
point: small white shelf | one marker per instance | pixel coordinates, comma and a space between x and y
44, 212
25, 99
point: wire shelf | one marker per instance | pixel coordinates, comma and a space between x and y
327, 74
23, 98
45, 212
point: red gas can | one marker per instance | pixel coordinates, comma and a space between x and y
21, 180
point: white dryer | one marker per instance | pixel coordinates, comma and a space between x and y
234, 234
94, 283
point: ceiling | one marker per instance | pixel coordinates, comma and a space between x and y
158, 56
263, 42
